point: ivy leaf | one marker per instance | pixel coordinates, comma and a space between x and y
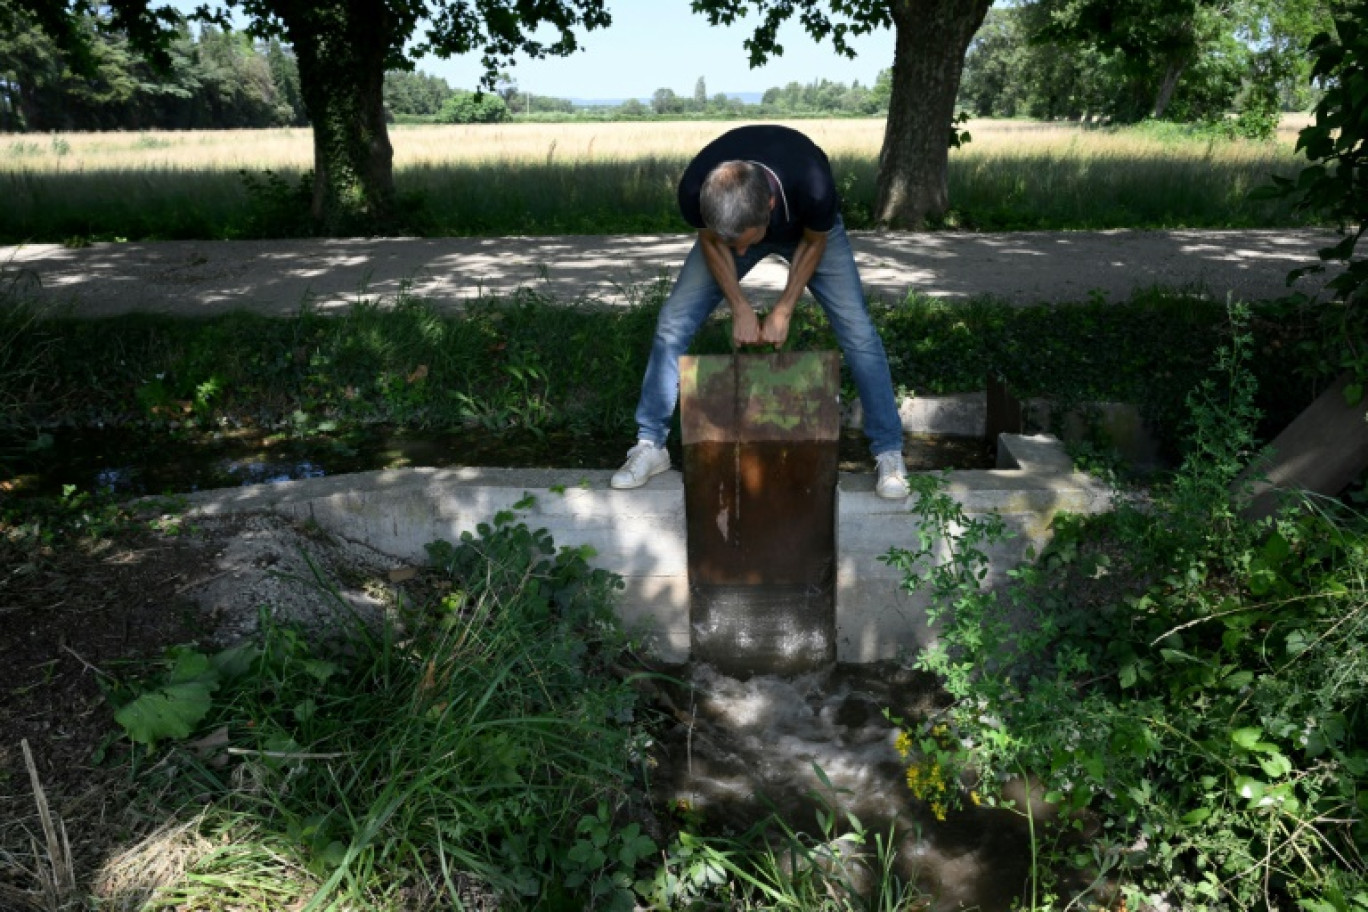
171, 712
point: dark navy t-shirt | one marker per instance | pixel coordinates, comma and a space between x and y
807, 195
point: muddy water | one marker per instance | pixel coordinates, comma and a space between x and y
740, 747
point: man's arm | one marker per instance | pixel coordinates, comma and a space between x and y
722, 265
806, 256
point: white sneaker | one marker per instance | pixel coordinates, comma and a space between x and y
644, 461
892, 476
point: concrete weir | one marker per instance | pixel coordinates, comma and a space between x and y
641, 534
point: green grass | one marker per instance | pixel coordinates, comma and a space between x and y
459, 744
539, 370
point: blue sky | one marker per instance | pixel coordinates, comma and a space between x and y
662, 44
655, 44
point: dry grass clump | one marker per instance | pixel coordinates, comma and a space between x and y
154, 864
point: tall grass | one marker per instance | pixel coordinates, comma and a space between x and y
406, 765
620, 178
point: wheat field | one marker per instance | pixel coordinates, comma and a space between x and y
610, 178
567, 143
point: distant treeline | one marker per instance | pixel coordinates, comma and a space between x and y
420, 98
222, 79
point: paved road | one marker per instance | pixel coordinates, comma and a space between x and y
206, 277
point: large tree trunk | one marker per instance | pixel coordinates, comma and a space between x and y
931, 37
1166, 87
341, 48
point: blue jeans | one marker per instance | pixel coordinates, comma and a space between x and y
835, 285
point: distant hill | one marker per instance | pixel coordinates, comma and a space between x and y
743, 97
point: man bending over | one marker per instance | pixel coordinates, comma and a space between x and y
751, 192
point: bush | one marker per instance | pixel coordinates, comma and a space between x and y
472, 108
1186, 687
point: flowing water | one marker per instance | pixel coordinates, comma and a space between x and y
741, 748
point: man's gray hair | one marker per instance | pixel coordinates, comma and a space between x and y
735, 198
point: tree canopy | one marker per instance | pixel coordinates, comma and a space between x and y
1183, 60
930, 38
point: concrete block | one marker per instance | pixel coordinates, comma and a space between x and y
1118, 424
1321, 451
954, 414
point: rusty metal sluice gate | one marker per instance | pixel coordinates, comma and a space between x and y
761, 436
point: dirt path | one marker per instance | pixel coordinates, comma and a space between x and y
205, 277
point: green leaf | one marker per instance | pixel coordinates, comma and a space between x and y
235, 661
1297, 642
1177, 656
1353, 394
172, 712
1276, 766
1192, 818
1248, 738
320, 669
189, 666
1250, 789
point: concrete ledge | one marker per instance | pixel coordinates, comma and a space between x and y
875, 619
640, 534
966, 415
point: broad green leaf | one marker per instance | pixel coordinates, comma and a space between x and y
1248, 738
172, 712
1276, 550
189, 666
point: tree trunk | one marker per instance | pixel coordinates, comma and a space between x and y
341, 50
1166, 87
931, 37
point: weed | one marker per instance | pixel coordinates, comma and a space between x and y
1183, 685
485, 742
